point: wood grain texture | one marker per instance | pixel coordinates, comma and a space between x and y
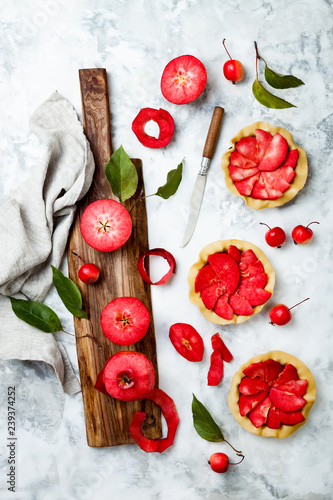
108, 420
213, 132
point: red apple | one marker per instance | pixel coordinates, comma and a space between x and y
275, 237
302, 235
183, 79
187, 341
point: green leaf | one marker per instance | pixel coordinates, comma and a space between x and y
267, 99
36, 314
69, 293
281, 81
174, 178
122, 175
204, 423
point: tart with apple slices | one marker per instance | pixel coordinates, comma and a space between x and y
264, 166
271, 395
231, 281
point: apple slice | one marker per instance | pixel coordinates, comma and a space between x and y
291, 417
245, 186
291, 159
272, 369
249, 386
215, 372
275, 154
255, 370
274, 180
205, 277
222, 307
183, 79
263, 141
239, 160
247, 257
210, 294
219, 345
234, 253
297, 387
239, 173
264, 191
125, 320
254, 295
260, 280
247, 403
259, 414
170, 414
187, 341
240, 305
288, 373
227, 270
164, 121
105, 225
286, 401
128, 376
247, 146
273, 418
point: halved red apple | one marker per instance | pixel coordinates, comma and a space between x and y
266, 408
264, 166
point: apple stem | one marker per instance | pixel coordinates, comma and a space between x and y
226, 50
314, 222
237, 463
258, 56
74, 253
263, 223
299, 303
238, 452
82, 336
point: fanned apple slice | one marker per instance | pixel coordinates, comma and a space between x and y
227, 270
247, 403
223, 309
286, 401
253, 270
245, 186
295, 157
288, 373
260, 280
239, 160
239, 174
235, 253
273, 418
205, 278
240, 305
247, 257
249, 386
272, 369
291, 417
263, 141
255, 370
258, 415
247, 146
254, 295
210, 294
297, 387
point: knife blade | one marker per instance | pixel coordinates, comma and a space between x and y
200, 183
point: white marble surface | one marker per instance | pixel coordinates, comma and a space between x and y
43, 44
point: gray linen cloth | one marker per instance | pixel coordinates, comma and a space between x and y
34, 227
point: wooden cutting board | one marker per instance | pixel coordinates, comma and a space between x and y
108, 420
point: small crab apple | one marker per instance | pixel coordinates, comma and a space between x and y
88, 273
275, 237
219, 462
233, 70
281, 315
302, 235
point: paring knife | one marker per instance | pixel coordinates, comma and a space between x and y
199, 186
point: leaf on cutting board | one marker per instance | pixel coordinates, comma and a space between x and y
204, 423
267, 99
122, 175
174, 178
69, 293
281, 81
36, 314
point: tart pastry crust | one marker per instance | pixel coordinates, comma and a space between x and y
285, 430
222, 246
301, 169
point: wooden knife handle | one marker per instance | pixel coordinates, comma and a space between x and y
213, 132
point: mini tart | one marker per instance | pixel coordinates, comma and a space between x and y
285, 430
223, 246
301, 168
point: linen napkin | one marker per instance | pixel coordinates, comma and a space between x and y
34, 227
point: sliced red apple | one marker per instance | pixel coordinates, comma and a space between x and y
245, 186
249, 386
205, 277
215, 372
227, 270
297, 387
210, 294
286, 401
254, 295
165, 124
263, 141
259, 414
219, 345
247, 403
288, 373
222, 307
239, 173
291, 417
187, 341
291, 159
240, 305
273, 418
260, 280
248, 257
255, 370
247, 146
125, 320
235, 253
239, 160
272, 369
275, 154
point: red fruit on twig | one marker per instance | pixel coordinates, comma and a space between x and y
219, 462
281, 315
275, 237
233, 70
88, 273
302, 235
